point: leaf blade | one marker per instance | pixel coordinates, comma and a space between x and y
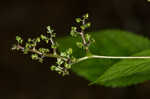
127, 69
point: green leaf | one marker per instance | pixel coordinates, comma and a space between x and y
108, 43
129, 70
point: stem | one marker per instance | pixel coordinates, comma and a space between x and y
83, 38
42, 54
112, 57
84, 41
86, 57
30, 50
54, 49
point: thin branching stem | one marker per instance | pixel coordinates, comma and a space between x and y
42, 54
83, 38
53, 43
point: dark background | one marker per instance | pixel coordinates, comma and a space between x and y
22, 78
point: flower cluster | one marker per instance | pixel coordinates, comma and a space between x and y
64, 59
86, 38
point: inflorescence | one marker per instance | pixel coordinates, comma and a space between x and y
64, 59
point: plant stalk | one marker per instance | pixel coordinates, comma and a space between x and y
112, 57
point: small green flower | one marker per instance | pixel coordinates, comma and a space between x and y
34, 57
44, 50
53, 67
79, 44
73, 31
26, 50
53, 46
63, 54
58, 69
41, 60
93, 40
87, 37
53, 35
83, 27
43, 37
28, 45
73, 59
29, 39
73, 28
59, 61
38, 39
86, 16
69, 51
78, 20
19, 39
47, 41
49, 30
14, 47
67, 66
73, 34
88, 24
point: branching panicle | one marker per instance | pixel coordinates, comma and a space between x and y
64, 59
86, 38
